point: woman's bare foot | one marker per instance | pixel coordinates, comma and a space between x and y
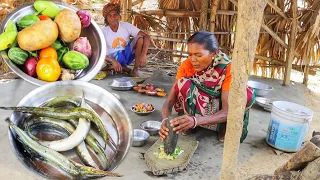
126, 69
222, 132
134, 72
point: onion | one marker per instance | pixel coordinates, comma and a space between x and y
30, 66
85, 18
83, 46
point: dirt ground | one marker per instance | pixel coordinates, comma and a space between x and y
266, 161
255, 156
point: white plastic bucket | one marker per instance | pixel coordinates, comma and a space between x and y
288, 126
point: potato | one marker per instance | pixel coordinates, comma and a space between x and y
38, 36
69, 25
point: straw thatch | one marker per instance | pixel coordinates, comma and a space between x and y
273, 47
173, 21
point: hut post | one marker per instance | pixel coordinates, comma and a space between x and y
310, 47
124, 9
213, 14
292, 43
306, 55
250, 13
204, 15
129, 19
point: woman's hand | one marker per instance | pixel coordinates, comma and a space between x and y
182, 123
164, 131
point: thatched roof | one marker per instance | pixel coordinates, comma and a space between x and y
173, 21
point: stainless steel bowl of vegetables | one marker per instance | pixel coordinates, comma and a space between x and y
92, 33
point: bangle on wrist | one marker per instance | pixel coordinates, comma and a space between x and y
195, 122
164, 120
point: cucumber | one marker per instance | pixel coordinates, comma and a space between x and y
17, 55
171, 140
75, 60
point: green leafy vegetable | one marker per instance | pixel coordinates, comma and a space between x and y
163, 155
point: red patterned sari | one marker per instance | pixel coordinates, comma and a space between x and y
200, 95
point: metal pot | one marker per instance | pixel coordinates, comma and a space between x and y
139, 137
93, 33
261, 89
122, 84
152, 127
105, 105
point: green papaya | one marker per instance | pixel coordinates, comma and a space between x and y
171, 140
75, 60
17, 55
27, 21
47, 8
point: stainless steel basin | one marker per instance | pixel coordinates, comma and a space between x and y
122, 84
93, 33
113, 114
139, 137
152, 127
261, 89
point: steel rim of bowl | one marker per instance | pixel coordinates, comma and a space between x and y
269, 87
89, 76
151, 129
121, 88
115, 83
143, 131
38, 90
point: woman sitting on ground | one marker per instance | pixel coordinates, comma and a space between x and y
201, 89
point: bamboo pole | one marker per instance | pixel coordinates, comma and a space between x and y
182, 13
168, 39
168, 50
203, 15
277, 38
213, 14
250, 14
234, 2
191, 32
277, 62
292, 42
269, 59
137, 2
295, 67
124, 10
129, 19
309, 48
277, 9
